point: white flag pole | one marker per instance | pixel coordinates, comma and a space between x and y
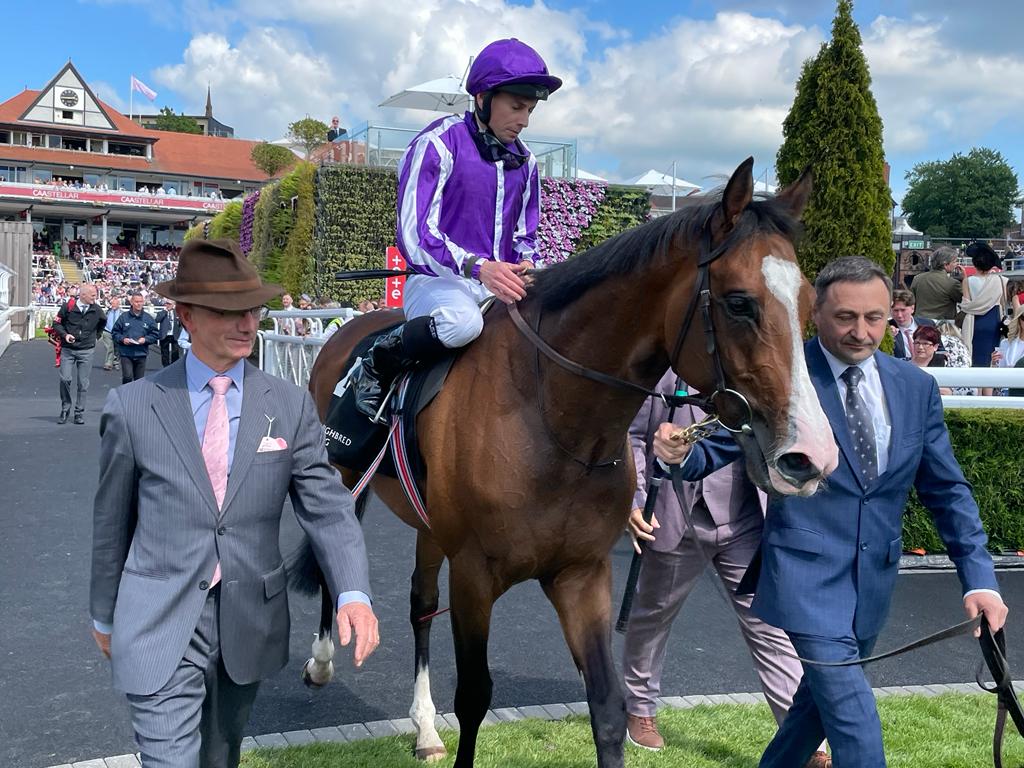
131, 92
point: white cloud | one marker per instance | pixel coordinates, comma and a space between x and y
705, 93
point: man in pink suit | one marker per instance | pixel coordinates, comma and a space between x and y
727, 512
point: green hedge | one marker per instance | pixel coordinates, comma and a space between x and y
986, 443
622, 208
297, 261
354, 225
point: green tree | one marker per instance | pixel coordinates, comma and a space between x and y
271, 158
834, 128
167, 120
309, 133
966, 196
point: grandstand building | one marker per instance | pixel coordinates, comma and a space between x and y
78, 170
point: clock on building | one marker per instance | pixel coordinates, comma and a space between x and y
68, 98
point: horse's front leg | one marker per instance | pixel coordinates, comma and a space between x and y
422, 606
582, 596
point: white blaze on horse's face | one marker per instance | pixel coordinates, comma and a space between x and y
809, 430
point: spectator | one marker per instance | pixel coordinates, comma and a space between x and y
905, 323
1016, 290
286, 325
335, 132
956, 352
936, 292
134, 331
335, 322
168, 327
77, 324
926, 345
983, 305
113, 313
1011, 350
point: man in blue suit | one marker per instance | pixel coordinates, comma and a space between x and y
828, 563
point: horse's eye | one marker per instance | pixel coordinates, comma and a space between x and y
741, 306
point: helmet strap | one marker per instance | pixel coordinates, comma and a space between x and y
483, 113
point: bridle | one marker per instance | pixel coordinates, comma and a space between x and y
701, 299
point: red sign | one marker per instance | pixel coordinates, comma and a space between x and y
394, 289
34, 192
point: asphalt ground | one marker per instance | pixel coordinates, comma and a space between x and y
56, 703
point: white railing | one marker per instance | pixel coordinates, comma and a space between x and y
6, 335
289, 356
996, 378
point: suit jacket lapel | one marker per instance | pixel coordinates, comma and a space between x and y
252, 427
174, 411
828, 394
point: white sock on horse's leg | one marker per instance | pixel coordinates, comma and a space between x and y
422, 712
320, 668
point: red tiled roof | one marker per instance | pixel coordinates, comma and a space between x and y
173, 153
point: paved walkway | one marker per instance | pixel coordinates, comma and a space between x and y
56, 702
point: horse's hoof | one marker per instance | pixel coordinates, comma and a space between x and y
319, 680
431, 754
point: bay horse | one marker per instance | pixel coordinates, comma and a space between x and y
529, 475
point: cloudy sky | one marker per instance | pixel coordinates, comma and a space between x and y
647, 82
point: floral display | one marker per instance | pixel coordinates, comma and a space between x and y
566, 209
248, 216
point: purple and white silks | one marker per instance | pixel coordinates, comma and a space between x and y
452, 204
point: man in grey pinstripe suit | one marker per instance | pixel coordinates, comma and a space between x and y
188, 591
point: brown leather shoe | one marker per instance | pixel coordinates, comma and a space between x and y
819, 760
643, 732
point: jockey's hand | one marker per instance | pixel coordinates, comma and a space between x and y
668, 445
638, 529
102, 642
358, 617
989, 603
503, 280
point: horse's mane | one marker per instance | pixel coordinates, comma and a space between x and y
561, 284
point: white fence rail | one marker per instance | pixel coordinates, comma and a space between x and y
996, 378
290, 356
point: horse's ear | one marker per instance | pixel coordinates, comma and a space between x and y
795, 196
738, 192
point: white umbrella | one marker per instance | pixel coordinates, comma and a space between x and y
442, 95
587, 176
661, 184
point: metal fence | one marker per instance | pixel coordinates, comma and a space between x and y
290, 350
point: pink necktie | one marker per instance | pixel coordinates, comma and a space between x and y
215, 446
909, 342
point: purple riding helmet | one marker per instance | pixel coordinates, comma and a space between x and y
512, 66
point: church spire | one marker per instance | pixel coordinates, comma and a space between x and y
209, 104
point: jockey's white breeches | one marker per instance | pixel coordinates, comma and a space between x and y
453, 303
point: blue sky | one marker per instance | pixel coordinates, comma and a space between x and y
698, 82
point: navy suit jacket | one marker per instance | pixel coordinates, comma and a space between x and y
899, 347
829, 562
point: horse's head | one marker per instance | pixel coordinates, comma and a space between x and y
760, 304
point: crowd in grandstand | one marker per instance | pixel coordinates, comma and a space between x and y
154, 190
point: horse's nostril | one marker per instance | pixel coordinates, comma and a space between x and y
797, 467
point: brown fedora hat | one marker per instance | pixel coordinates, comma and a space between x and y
214, 273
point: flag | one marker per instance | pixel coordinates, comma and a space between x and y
141, 87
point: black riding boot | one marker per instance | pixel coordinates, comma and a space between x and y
397, 351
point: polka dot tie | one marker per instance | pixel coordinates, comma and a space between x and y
862, 430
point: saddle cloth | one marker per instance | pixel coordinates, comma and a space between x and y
354, 442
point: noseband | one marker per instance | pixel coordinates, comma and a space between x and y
711, 404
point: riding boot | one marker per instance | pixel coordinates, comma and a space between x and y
396, 351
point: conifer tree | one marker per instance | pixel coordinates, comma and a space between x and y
833, 127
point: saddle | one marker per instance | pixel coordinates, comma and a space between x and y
355, 442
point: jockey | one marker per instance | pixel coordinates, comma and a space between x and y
468, 205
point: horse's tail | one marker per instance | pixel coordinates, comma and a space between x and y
303, 570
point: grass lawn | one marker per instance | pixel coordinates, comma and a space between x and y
950, 731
